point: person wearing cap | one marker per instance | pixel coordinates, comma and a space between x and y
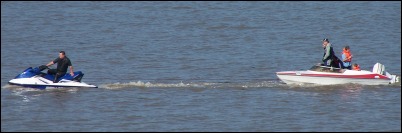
328, 53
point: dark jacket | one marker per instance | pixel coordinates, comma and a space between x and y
62, 64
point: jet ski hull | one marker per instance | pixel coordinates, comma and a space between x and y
40, 83
33, 78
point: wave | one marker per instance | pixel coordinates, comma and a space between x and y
141, 84
240, 85
16, 87
20, 89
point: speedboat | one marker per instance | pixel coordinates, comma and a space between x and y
34, 78
323, 75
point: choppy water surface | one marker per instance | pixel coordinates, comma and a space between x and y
198, 66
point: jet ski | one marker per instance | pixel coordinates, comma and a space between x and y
35, 78
324, 75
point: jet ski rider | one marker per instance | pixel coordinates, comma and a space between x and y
62, 63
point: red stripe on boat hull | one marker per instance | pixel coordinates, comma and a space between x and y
365, 76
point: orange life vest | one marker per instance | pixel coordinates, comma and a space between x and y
348, 55
357, 68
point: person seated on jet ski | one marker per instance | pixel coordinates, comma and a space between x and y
62, 63
346, 58
329, 57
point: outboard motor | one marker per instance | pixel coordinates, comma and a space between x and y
379, 68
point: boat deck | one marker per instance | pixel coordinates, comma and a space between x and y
319, 68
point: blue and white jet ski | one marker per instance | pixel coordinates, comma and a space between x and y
34, 78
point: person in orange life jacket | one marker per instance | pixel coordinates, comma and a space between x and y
356, 67
347, 58
62, 63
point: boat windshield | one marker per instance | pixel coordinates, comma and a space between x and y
319, 68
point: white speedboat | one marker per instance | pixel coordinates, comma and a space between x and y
323, 75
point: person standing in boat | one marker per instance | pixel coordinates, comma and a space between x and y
329, 57
62, 63
347, 58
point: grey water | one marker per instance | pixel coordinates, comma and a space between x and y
198, 66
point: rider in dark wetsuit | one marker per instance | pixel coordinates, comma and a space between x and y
62, 63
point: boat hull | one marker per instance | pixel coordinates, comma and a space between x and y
298, 79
